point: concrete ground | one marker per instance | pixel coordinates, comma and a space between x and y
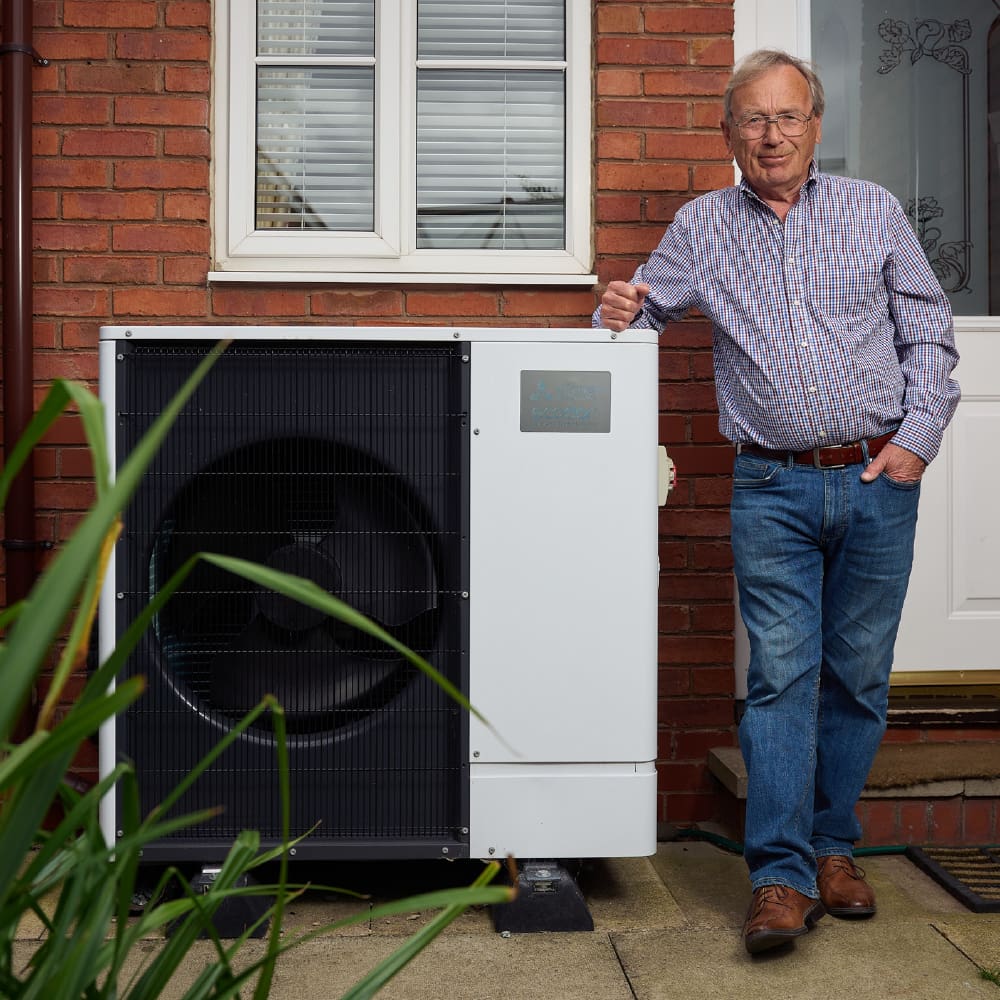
664, 927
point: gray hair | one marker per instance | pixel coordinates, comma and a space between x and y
758, 63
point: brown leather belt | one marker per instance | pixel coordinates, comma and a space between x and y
832, 457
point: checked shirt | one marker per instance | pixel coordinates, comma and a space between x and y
828, 328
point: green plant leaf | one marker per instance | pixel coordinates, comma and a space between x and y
32, 796
459, 898
52, 407
9, 615
311, 594
75, 651
92, 417
385, 970
79, 723
51, 851
38, 626
274, 937
164, 966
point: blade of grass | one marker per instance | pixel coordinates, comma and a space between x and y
86, 930
51, 408
9, 615
80, 722
263, 989
126, 863
81, 912
75, 651
92, 417
164, 966
76, 808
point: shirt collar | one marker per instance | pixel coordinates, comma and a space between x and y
810, 182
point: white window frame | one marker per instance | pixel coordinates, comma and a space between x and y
390, 254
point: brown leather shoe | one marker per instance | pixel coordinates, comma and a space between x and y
778, 914
843, 888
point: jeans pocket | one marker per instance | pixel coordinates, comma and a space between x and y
751, 473
907, 486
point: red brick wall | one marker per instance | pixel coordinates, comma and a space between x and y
661, 69
122, 209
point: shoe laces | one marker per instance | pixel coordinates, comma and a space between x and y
769, 895
839, 863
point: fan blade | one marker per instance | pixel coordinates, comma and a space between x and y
307, 673
301, 560
210, 513
386, 568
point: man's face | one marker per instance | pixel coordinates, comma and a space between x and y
775, 165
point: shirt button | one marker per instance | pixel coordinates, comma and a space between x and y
822, 434
811, 388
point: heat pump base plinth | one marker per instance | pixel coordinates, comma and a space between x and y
236, 914
548, 899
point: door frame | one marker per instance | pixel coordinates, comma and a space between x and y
785, 24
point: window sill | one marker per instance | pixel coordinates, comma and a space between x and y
397, 278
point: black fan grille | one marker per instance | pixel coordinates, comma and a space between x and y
344, 464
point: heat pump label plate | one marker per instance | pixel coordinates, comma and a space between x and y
566, 402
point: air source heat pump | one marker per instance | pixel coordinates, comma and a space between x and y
489, 496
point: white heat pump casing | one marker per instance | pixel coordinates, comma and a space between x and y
562, 590
563, 595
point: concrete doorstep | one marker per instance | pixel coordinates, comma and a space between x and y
946, 772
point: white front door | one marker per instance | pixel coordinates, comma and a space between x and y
951, 620
911, 87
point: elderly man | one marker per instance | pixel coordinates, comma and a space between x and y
833, 347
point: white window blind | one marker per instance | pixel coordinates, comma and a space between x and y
491, 29
316, 114
490, 159
316, 28
490, 142
406, 136
316, 148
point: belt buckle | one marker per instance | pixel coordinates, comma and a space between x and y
817, 464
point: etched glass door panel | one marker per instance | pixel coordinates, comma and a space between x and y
909, 86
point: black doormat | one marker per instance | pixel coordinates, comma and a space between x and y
970, 874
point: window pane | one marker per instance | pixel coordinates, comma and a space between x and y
490, 160
491, 29
907, 106
316, 27
315, 149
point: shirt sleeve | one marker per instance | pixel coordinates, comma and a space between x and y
668, 273
924, 340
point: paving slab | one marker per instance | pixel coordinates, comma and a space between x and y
977, 936
900, 886
628, 894
477, 967
885, 961
709, 885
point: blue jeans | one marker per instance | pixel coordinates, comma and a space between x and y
822, 562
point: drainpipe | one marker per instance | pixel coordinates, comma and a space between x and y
16, 57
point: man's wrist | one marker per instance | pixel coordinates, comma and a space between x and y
921, 440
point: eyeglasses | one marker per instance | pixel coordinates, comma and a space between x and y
790, 124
